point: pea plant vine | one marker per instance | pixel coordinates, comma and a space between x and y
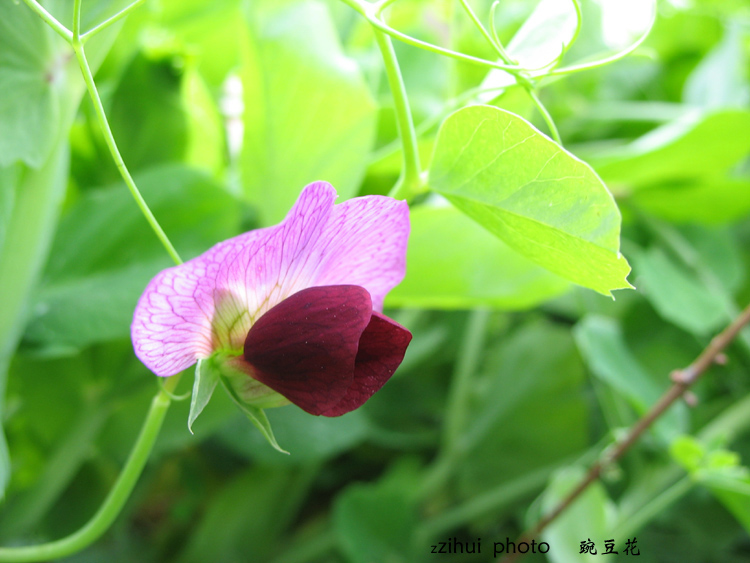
489, 164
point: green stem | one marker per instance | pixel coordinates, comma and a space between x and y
520, 76
490, 39
117, 496
115, 152
607, 60
495, 39
371, 13
545, 115
76, 20
457, 411
410, 182
106, 23
458, 405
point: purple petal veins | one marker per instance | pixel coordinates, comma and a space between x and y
210, 303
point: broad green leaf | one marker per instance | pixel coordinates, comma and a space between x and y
308, 113
697, 145
255, 415
206, 378
375, 522
588, 518
36, 196
520, 388
38, 99
454, 263
9, 184
105, 253
32, 79
603, 347
538, 198
678, 295
248, 517
146, 113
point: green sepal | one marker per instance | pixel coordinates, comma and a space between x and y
206, 378
257, 416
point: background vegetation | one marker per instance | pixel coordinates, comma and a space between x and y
516, 379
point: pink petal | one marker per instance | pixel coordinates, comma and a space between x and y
305, 347
264, 267
365, 244
170, 331
381, 350
209, 303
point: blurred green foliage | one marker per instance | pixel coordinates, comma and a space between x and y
515, 381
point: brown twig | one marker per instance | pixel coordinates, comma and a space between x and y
682, 379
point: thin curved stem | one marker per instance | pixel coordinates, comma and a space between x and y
372, 14
114, 151
545, 115
116, 498
607, 60
521, 77
453, 447
109, 21
490, 39
504, 56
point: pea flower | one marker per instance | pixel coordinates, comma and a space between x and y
290, 313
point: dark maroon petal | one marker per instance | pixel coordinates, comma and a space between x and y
305, 347
381, 351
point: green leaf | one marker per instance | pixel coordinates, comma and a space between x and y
518, 389
248, 517
257, 416
32, 79
538, 198
375, 522
603, 347
697, 145
678, 295
9, 186
455, 263
206, 378
588, 518
36, 196
294, 74
147, 115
